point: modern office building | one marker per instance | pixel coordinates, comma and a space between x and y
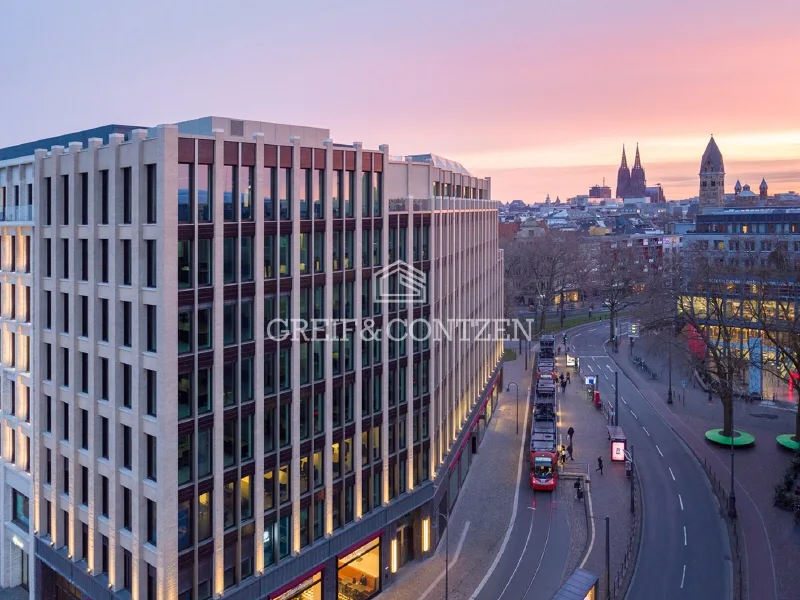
182, 448
16, 428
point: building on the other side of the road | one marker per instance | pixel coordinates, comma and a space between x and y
181, 446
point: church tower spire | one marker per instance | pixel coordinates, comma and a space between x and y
623, 176
638, 186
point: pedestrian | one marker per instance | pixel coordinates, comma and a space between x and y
562, 454
568, 379
561, 377
563, 386
570, 433
569, 451
599, 465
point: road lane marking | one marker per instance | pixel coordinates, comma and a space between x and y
645, 430
591, 330
623, 400
609, 368
634, 415
590, 367
521, 556
671, 473
604, 375
680, 500
591, 539
659, 451
685, 543
683, 576
450, 565
513, 519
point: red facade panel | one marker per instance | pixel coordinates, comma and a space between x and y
286, 157
248, 154
230, 153
205, 152
185, 150
270, 156
305, 158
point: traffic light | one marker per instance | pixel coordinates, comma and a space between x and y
634, 328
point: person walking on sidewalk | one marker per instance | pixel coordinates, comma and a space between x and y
599, 465
569, 451
570, 433
563, 386
568, 380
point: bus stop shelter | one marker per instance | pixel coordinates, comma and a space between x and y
581, 585
619, 443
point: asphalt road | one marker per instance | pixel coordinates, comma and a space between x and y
532, 565
684, 551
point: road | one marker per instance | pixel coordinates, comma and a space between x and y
532, 562
684, 550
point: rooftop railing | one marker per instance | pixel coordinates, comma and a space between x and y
17, 213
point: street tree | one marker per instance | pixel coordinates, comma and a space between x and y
771, 302
619, 275
703, 292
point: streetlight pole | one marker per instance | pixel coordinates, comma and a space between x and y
616, 398
608, 558
446, 553
508, 389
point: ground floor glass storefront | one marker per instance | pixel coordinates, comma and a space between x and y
358, 573
310, 589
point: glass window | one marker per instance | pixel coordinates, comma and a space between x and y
246, 196
185, 331
229, 505
336, 461
204, 265
319, 251
247, 379
185, 458
358, 573
246, 496
185, 264
285, 368
269, 256
229, 383
285, 193
205, 191
305, 192
229, 260
205, 446
269, 430
366, 188
229, 443
319, 360
304, 266
204, 330
348, 192
304, 475
285, 254
184, 395
247, 437
269, 490
304, 367
229, 323
319, 412
204, 391
269, 373
377, 193
305, 417
246, 323
185, 192
319, 193
205, 518
185, 530
285, 424
284, 483
229, 194
269, 193
246, 259
336, 193
285, 539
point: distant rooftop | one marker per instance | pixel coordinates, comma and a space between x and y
83, 137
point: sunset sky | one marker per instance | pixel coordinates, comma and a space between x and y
539, 95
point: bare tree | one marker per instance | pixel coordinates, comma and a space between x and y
704, 293
540, 269
619, 276
771, 301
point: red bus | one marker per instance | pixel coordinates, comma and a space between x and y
544, 471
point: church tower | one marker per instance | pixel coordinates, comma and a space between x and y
763, 189
623, 177
638, 186
712, 176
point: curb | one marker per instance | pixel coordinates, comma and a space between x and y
696, 458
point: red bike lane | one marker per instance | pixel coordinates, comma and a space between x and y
759, 565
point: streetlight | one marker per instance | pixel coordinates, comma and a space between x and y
508, 389
446, 553
669, 393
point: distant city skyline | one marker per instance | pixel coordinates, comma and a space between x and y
547, 88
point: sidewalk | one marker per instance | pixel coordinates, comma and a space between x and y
772, 540
610, 492
484, 505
